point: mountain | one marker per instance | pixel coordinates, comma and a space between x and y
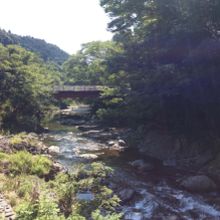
47, 51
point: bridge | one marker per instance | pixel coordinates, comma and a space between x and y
63, 92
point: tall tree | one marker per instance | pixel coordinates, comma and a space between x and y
171, 60
89, 65
25, 87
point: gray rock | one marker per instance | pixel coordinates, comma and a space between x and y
134, 215
116, 146
54, 150
87, 196
121, 143
200, 183
58, 167
88, 156
141, 165
126, 194
111, 143
176, 149
170, 162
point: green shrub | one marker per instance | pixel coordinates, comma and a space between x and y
76, 217
98, 216
18, 138
23, 162
41, 165
91, 178
20, 162
3, 156
26, 211
43, 209
95, 170
57, 199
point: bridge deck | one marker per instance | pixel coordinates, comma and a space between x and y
78, 88
63, 92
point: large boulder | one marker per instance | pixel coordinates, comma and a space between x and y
126, 194
141, 165
88, 156
176, 151
200, 183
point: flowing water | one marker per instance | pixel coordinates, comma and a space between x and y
156, 194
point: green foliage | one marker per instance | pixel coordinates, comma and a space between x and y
170, 60
26, 211
65, 187
3, 156
89, 65
48, 52
44, 208
34, 198
23, 162
18, 138
98, 216
25, 88
76, 217
90, 178
95, 170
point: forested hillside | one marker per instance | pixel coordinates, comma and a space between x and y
48, 52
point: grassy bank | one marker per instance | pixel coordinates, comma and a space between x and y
36, 189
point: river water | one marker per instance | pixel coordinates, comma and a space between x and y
155, 194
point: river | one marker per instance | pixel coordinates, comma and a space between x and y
154, 194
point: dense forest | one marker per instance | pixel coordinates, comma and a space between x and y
164, 69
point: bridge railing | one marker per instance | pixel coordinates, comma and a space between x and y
82, 88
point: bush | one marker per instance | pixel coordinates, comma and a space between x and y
98, 216
18, 138
36, 199
44, 209
23, 162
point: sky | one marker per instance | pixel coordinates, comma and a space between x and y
66, 23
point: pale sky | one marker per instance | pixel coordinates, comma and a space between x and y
66, 23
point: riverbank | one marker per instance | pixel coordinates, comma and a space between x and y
154, 150
148, 189
36, 186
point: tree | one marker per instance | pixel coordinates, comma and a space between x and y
89, 65
171, 61
25, 88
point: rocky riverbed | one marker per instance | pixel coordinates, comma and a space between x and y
147, 188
